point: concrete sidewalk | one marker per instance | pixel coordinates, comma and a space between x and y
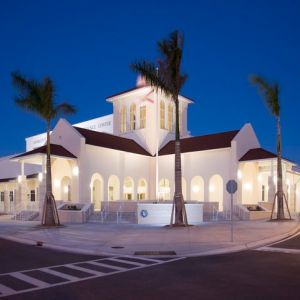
122, 239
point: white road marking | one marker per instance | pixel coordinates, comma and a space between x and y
92, 272
59, 274
129, 262
39, 284
108, 266
6, 290
29, 279
277, 249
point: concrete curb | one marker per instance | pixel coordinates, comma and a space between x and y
225, 250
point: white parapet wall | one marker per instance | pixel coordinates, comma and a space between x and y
160, 213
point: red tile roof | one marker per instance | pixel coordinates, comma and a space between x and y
57, 150
7, 179
110, 141
257, 153
201, 143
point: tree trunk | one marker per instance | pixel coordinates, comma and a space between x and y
178, 201
280, 208
50, 214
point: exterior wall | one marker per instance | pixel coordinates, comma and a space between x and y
202, 163
147, 136
107, 162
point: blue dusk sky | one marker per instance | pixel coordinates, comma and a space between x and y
86, 48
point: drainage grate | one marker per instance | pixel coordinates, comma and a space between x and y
150, 253
117, 247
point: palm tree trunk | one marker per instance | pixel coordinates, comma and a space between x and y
50, 214
178, 201
280, 208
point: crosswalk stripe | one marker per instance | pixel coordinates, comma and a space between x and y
107, 266
30, 279
87, 267
127, 262
6, 290
59, 274
92, 272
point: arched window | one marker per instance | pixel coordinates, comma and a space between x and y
170, 117
113, 188
132, 116
123, 119
164, 189
143, 116
96, 186
216, 190
128, 188
197, 188
142, 189
162, 114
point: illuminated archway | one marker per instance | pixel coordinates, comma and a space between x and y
97, 191
113, 188
216, 190
128, 188
197, 188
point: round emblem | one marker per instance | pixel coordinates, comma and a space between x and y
144, 213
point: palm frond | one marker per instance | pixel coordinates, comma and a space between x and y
63, 109
269, 92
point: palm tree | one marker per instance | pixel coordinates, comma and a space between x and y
38, 97
270, 93
167, 77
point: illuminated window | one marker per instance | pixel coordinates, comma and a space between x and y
132, 117
32, 195
123, 119
162, 114
170, 117
11, 196
143, 117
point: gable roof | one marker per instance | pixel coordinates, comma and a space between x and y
137, 88
110, 141
7, 179
201, 143
57, 150
257, 153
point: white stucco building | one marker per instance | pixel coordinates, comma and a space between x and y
113, 160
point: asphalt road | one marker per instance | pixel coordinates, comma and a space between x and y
244, 275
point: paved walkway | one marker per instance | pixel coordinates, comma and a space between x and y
122, 239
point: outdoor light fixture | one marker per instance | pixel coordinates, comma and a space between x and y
19, 179
56, 183
239, 174
75, 171
195, 189
275, 179
40, 177
259, 177
248, 186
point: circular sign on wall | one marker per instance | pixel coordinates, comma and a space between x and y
144, 213
231, 186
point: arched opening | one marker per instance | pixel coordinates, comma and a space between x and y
143, 117
162, 114
197, 188
66, 188
113, 188
216, 190
297, 196
142, 189
170, 116
123, 119
164, 189
249, 189
132, 116
97, 191
128, 188
183, 187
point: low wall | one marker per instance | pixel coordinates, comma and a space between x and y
74, 216
160, 213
